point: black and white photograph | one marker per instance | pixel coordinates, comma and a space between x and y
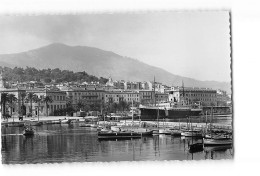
123, 86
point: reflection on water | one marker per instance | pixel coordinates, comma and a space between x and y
71, 143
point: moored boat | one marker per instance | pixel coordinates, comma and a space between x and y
28, 131
191, 133
115, 135
196, 147
217, 141
84, 125
176, 132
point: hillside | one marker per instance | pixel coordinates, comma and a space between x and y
101, 64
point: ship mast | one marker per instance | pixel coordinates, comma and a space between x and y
154, 91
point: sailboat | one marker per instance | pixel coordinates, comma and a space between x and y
216, 139
140, 130
191, 133
195, 147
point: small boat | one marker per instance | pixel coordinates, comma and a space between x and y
191, 133
85, 125
117, 135
36, 123
93, 125
66, 121
28, 131
165, 131
142, 131
217, 148
217, 141
175, 132
196, 147
15, 124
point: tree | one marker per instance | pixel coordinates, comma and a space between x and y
4, 100
80, 105
29, 98
46, 100
122, 105
23, 96
38, 100
11, 101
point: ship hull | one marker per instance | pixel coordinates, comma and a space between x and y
150, 114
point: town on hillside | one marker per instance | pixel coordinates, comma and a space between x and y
38, 98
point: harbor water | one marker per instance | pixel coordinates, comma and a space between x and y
57, 143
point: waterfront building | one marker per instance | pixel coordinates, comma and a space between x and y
58, 101
161, 97
89, 96
190, 95
147, 97
117, 96
16, 106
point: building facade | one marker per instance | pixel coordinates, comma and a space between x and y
117, 96
190, 95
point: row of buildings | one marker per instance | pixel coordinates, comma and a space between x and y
148, 93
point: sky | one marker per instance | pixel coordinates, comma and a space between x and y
193, 44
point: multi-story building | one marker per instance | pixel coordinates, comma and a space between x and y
132, 85
189, 95
147, 97
75, 95
117, 96
161, 97
119, 84
146, 85
58, 101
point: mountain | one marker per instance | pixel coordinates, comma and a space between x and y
100, 63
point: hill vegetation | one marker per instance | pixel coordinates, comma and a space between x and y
47, 75
100, 63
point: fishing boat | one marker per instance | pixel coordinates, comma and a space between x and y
191, 133
217, 141
28, 131
118, 135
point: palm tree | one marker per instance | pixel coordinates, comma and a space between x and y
23, 96
4, 100
46, 100
29, 98
11, 100
38, 100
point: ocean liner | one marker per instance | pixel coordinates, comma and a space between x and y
168, 112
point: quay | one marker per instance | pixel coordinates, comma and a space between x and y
124, 124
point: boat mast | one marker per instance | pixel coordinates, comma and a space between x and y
132, 112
